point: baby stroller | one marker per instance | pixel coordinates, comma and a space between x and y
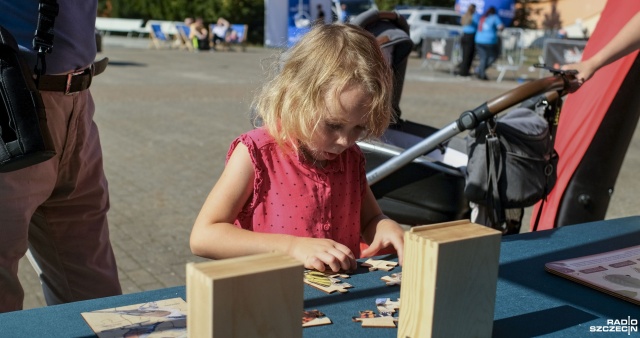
415, 175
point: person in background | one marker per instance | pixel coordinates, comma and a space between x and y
469, 22
600, 115
58, 208
199, 35
320, 17
297, 185
487, 41
344, 15
219, 31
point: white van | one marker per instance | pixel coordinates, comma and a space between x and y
430, 22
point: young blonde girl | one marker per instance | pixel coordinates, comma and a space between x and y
297, 184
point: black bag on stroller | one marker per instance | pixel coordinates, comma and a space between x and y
511, 166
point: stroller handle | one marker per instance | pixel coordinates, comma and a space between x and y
560, 84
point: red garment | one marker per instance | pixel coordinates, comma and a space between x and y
292, 196
584, 110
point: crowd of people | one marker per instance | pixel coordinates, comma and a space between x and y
201, 39
481, 36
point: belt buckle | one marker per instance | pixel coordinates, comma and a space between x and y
70, 76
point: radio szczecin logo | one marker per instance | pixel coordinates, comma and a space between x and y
627, 325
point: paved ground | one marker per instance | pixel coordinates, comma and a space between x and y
166, 119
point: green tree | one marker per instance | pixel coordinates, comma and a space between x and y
522, 18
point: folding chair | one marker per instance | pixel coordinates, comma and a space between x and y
158, 38
183, 40
237, 35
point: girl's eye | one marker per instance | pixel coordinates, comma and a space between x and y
333, 126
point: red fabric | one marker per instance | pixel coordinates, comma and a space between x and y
292, 196
584, 110
481, 22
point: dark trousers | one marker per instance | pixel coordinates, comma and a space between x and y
488, 54
467, 42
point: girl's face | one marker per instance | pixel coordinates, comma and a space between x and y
342, 126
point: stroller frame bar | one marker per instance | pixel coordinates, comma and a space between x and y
561, 83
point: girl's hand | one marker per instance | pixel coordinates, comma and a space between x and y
321, 253
388, 233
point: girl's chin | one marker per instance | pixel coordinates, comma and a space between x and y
329, 156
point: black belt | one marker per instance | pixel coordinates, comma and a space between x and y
72, 82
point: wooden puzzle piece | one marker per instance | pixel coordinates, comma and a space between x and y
379, 322
314, 318
369, 319
374, 264
317, 322
317, 277
340, 287
394, 279
325, 282
387, 307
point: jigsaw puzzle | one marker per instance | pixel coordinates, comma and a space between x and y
314, 318
326, 282
393, 279
374, 264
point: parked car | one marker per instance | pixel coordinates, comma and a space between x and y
430, 22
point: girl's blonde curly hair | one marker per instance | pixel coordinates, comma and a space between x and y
325, 61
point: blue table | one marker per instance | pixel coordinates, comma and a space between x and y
529, 302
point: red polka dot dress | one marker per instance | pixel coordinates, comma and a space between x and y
292, 196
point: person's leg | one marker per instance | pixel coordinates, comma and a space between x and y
467, 54
493, 51
21, 192
483, 56
68, 236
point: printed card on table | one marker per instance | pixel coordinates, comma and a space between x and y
163, 318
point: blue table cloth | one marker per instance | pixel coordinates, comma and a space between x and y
529, 302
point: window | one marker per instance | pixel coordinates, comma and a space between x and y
426, 18
449, 20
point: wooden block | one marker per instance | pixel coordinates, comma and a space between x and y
253, 296
449, 280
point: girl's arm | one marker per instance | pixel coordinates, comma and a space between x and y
626, 41
378, 230
214, 235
